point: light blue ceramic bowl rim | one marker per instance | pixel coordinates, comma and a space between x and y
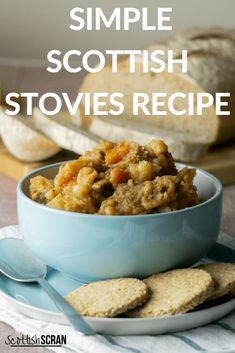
218, 192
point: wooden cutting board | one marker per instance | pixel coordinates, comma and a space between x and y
15, 168
220, 161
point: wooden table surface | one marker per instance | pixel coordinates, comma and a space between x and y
37, 79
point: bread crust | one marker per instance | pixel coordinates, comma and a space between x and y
24, 141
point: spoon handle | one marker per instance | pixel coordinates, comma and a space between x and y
74, 318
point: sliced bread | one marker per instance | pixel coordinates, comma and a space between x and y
64, 132
211, 68
196, 129
23, 140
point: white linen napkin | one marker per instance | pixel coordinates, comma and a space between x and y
218, 337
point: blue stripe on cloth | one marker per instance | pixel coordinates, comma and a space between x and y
115, 343
189, 342
225, 326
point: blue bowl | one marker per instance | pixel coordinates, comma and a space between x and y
93, 247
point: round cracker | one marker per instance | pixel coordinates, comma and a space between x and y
223, 275
175, 292
108, 298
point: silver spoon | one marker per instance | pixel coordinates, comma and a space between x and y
18, 263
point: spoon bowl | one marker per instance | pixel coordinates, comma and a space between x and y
18, 263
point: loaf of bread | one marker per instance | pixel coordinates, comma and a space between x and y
211, 68
211, 63
201, 128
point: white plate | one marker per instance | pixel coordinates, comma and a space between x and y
32, 301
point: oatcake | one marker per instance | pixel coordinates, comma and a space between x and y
108, 298
223, 275
175, 292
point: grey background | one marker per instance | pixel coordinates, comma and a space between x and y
30, 28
